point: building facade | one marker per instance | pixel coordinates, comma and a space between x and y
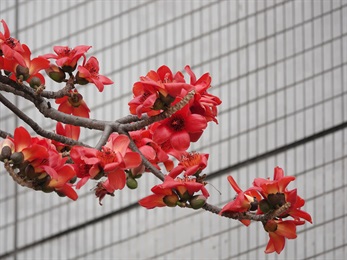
280, 68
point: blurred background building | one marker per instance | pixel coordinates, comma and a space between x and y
280, 68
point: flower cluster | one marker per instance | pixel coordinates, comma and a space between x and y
265, 197
111, 162
37, 162
168, 114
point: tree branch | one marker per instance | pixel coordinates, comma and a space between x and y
39, 130
248, 215
104, 137
4, 134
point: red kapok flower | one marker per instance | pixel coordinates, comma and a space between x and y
192, 163
67, 58
30, 69
203, 103
278, 184
151, 150
171, 191
10, 47
73, 104
112, 160
90, 71
244, 201
60, 174
279, 230
181, 128
156, 91
69, 131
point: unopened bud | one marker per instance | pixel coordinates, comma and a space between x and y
131, 183
197, 201
171, 200
17, 157
6, 152
35, 82
22, 73
55, 73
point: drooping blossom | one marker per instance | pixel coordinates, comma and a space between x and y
203, 103
244, 201
66, 57
89, 71
60, 174
31, 68
10, 47
278, 231
70, 131
180, 129
192, 163
38, 161
112, 161
73, 104
156, 91
171, 191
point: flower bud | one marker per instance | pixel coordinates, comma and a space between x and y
22, 73
35, 82
17, 157
171, 200
131, 183
56, 73
6, 152
197, 201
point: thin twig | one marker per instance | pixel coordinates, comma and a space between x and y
104, 137
4, 134
167, 113
145, 162
36, 127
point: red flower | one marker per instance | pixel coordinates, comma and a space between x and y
279, 230
171, 191
30, 69
181, 128
69, 131
279, 183
32, 148
275, 194
192, 163
73, 104
67, 58
204, 104
112, 160
244, 201
151, 150
90, 72
156, 91
10, 47
60, 174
